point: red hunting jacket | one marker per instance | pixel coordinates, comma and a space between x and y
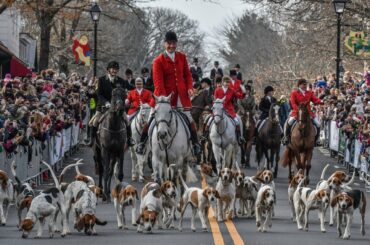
296, 98
172, 77
236, 86
135, 98
228, 103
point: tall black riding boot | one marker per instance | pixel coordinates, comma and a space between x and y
239, 137
93, 132
194, 139
286, 137
130, 141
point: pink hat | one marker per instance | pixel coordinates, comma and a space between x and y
8, 77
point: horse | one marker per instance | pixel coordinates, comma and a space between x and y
169, 141
110, 142
268, 140
249, 125
302, 143
137, 126
222, 135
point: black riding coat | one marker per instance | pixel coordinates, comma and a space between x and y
214, 72
105, 88
265, 105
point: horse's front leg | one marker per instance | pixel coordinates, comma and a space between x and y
277, 160
308, 157
217, 155
106, 163
248, 150
134, 164
120, 166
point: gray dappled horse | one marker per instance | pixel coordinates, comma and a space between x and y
268, 140
112, 137
169, 141
222, 135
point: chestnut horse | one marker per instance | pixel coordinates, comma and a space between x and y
301, 144
249, 127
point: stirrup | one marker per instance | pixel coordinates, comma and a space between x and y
241, 140
285, 140
130, 142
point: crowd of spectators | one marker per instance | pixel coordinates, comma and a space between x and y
37, 107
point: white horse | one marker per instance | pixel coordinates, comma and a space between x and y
137, 126
169, 141
222, 135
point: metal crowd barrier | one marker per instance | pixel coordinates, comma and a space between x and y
347, 151
56, 148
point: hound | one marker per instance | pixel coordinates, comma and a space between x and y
335, 184
266, 177
151, 208
251, 190
200, 200
208, 174
24, 195
298, 177
124, 195
264, 206
306, 199
169, 199
226, 188
240, 192
85, 210
346, 203
48, 203
6, 196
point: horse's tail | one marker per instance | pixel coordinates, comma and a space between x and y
287, 158
190, 175
322, 177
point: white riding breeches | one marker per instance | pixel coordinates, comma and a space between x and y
291, 120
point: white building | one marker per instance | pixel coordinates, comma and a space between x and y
10, 24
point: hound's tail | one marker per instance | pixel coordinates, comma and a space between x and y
350, 182
13, 169
77, 168
57, 184
182, 181
61, 176
324, 171
303, 180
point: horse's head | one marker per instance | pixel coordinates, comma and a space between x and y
163, 115
274, 113
118, 98
144, 112
218, 110
303, 114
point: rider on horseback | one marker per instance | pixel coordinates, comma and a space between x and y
229, 94
265, 105
104, 89
171, 74
137, 97
301, 96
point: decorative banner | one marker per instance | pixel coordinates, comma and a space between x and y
81, 50
358, 43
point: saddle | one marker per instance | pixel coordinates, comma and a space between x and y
294, 125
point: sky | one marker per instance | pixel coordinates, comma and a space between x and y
211, 14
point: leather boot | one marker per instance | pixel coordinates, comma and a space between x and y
286, 137
239, 137
317, 137
130, 141
194, 139
93, 131
204, 136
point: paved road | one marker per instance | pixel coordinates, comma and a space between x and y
239, 231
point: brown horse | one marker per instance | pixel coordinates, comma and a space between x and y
249, 127
301, 144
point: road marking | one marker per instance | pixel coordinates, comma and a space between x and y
234, 233
215, 228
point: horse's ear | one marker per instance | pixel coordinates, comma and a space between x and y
155, 97
223, 99
169, 97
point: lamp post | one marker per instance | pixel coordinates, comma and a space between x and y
95, 15
339, 6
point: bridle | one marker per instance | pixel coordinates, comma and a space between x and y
168, 124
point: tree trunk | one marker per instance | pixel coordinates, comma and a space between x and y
45, 45
63, 60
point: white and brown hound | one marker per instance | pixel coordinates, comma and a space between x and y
47, 203
151, 208
24, 194
124, 195
226, 189
200, 200
6, 196
298, 177
306, 199
264, 207
346, 203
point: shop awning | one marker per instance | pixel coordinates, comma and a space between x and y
18, 68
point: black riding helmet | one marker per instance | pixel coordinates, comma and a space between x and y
268, 89
113, 64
